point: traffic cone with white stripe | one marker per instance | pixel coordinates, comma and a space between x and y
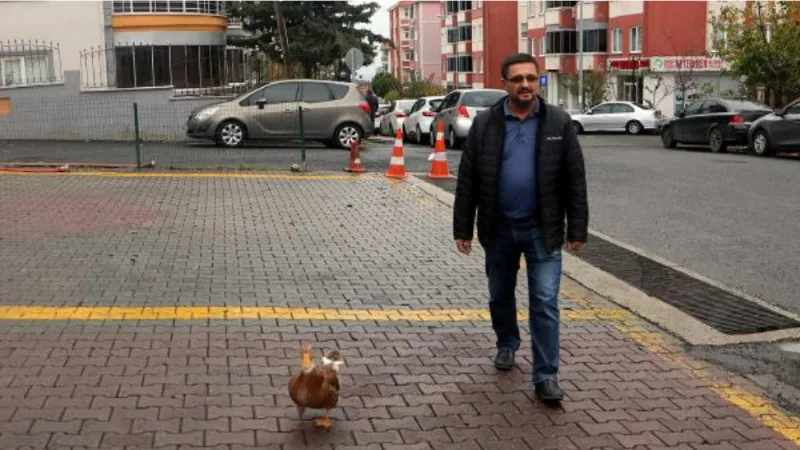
439, 168
397, 167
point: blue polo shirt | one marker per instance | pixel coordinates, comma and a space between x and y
517, 189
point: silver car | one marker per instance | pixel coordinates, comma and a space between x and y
395, 117
458, 109
334, 113
630, 117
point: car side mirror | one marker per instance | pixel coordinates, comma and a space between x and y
680, 113
261, 102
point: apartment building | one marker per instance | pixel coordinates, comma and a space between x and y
414, 30
476, 36
652, 52
118, 44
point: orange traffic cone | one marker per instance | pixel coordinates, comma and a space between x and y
397, 168
355, 161
439, 168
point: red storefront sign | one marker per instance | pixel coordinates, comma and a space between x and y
628, 64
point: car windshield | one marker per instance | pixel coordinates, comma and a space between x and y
738, 105
481, 99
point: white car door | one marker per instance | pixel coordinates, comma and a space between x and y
598, 119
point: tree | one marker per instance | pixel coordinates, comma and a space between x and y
595, 87
417, 86
319, 33
760, 42
383, 83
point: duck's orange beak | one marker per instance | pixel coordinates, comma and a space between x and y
306, 358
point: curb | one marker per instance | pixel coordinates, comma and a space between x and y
665, 316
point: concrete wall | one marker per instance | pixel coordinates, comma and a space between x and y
63, 112
74, 26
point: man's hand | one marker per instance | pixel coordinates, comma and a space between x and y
464, 246
575, 246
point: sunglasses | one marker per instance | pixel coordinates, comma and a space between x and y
521, 78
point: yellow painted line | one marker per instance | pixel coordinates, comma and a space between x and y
756, 405
192, 175
276, 312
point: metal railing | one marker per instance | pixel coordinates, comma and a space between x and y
207, 7
195, 69
27, 63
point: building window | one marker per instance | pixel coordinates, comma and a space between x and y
616, 40
550, 5
595, 41
719, 40
408, 11
636, 39
477, 32
409, 55
179, 66
532, 46
460, 34
531, 9
460, 63
562, 42
25, 64
453, 7
523, 29
163, 6
543, 46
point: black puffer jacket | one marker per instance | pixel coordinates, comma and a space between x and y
561, 177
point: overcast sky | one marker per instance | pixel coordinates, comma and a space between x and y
379, 25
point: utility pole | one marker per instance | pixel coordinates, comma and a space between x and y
580, 57
282, 37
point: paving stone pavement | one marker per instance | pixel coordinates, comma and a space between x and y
306, 246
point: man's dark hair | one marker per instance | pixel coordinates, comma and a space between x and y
517, 58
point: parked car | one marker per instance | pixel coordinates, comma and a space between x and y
395, 116
458, 109
418, 122
629, 117
334, 113
383, 108
714, 122
776, 132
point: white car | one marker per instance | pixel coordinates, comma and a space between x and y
630, 117
418, 122
394, 118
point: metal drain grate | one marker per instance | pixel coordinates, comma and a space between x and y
721, 310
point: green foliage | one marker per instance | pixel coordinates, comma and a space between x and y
383, 83
760, 42
418, 87
319, 32
595, 87
392, 95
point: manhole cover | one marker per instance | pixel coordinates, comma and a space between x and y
721, 310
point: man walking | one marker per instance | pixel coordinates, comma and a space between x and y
522, 169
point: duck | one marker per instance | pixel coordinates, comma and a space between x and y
317, 387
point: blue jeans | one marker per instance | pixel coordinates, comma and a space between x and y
544, 280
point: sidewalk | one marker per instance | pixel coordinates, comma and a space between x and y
167, 311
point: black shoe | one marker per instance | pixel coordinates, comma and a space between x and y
548, 391
504, 360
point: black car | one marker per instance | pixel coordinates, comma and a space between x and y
717, 123
779, 131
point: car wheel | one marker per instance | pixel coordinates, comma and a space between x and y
577, 127
230, 134
405, 134
634, 127
346, 134
668, 138
419, 135
761, 145
715, 140
432, 137
452, 139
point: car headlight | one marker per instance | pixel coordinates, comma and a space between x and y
206, 113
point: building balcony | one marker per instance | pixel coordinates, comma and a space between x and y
214, 8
